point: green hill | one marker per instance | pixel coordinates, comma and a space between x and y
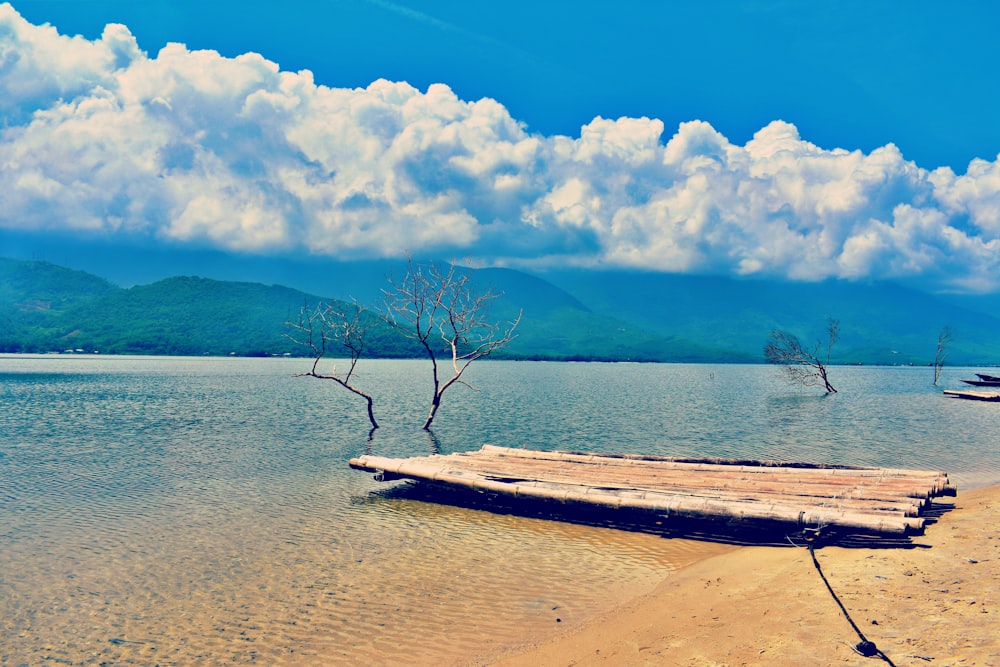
35, 298
557, 325
46, 308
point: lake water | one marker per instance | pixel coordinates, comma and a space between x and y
180, 511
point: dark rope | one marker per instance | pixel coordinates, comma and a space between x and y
864, 647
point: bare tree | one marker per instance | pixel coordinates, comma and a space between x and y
334, 328
944, 338
802, 365
442, 310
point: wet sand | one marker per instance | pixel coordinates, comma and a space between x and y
937, 603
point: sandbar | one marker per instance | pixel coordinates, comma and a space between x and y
936, 602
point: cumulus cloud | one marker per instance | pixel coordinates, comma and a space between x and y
189, 146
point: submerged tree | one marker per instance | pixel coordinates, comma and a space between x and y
803, 365
335, 328
443, 311
944, 338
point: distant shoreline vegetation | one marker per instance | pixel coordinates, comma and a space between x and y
290, 355
577, 359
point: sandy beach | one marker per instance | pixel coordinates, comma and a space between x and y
936, 603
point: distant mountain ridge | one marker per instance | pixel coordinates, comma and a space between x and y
182, 316
610, 315
46, 308
881, 322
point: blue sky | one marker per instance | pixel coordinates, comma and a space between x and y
799, 140
855, 74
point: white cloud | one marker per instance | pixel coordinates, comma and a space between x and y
975, 194
197, 148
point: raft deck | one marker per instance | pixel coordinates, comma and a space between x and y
870, 500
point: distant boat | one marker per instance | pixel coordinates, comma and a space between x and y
974, 395
983, 383
988, 378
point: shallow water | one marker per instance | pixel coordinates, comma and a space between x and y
201, 511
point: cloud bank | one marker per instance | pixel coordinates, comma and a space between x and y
191, 147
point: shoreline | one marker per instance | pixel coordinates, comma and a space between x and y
934, 602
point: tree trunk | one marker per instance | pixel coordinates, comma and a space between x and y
371, 411
826, 382
435, 404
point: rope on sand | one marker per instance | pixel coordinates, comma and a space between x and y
865, 647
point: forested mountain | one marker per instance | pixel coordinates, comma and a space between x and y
566, 315
45, 308
880, 323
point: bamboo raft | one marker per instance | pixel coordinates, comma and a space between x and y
869, 500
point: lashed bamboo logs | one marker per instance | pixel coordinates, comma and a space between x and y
876, 500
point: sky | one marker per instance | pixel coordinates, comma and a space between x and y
800, 141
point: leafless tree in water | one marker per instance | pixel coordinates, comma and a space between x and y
944, 339
335, 328
802, 365
450, 318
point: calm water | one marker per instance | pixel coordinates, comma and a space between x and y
201, 511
